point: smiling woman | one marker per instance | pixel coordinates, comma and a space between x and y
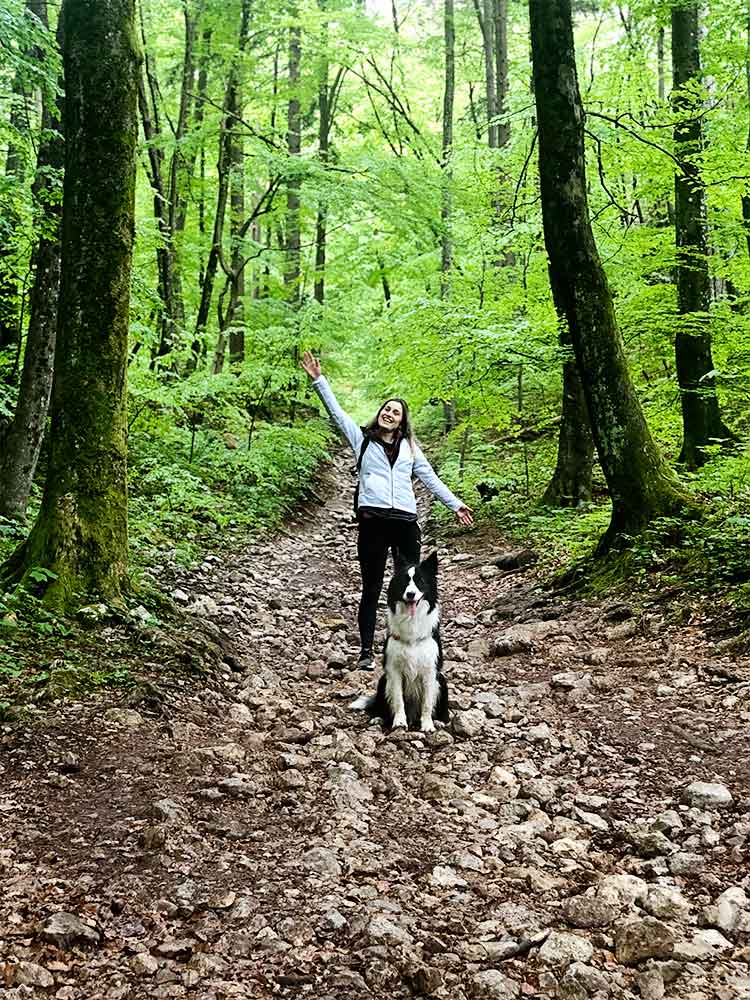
388, 458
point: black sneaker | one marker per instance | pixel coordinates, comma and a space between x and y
365, 660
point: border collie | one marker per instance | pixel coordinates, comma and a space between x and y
412, 691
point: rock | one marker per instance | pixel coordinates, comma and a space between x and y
385, 931
704, 945
333, 920
176, 948
686, 863
540, 734
581, 981
493, 985
66, 930
730, 906
320, 859
667, 822
31, 974
648, 843
637, 940
666, 903
436, 788
469, 723
504, 784
561, 948
444, 875
180, 596
707, 795
588, 912
124, 717
622, 890
169, 811
650, 984
144, 964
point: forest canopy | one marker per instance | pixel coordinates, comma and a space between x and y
363, 179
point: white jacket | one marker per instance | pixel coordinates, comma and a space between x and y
380, 483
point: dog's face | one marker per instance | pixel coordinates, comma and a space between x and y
413, 589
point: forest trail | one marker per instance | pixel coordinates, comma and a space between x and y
258, 839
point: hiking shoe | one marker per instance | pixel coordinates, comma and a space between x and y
365, 660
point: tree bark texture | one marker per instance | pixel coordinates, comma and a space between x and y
485, 15
449, 92
640, 483
570, 485
500, 21
293, 138
81, 534
22, 442
701, 418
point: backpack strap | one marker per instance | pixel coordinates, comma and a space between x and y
362, 450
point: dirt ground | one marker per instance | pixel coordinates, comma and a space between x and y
251, 836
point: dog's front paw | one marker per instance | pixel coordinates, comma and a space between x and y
427, 726
399, 722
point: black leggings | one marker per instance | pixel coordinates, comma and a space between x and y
376, 536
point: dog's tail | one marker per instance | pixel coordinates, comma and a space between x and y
363, 704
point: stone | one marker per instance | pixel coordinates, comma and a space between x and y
638, 940
321, 860
650, 984
704, 945
581, 981
504, 784
66, 930
622, 890
436, 788
144, 964
469, 723
447, 877
666, 903
730, 906
493, 985
31, 974
707, 795
168, 811
588, 912
385, 931
124, 717
686, 863
562, 948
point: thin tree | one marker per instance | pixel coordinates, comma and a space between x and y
701, 417
22, 441
81, 533
641, 484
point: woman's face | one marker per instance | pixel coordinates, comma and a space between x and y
390, 416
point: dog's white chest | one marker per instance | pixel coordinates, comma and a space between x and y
414, 661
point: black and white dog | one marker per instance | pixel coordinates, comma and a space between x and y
412, 691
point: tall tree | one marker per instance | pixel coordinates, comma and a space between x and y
485, 11
293, 184
81, 533
641, 484
21, 442
701, 417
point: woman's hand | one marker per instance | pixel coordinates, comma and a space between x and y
463, 516
311, 365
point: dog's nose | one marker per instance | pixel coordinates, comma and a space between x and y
410, 595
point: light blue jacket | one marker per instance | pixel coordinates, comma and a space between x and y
380, 483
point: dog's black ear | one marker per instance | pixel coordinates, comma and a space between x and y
430, 564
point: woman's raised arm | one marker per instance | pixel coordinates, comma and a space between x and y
351, 431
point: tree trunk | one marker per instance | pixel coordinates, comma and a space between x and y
292, 268
640, 483
501, 71
449, 92
22, 441
486, 17
746, 195
701, 418
660, 84
570, 485
228, 124
81, 534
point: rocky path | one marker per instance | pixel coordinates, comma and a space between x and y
580, 830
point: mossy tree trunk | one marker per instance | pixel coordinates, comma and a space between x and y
81, 534
22, 441
570, 485
701, 417
641, 484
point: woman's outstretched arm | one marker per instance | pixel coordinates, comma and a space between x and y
343, 421
424, 471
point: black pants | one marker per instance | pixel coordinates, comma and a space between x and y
376, 536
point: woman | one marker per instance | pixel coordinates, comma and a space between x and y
386, 505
